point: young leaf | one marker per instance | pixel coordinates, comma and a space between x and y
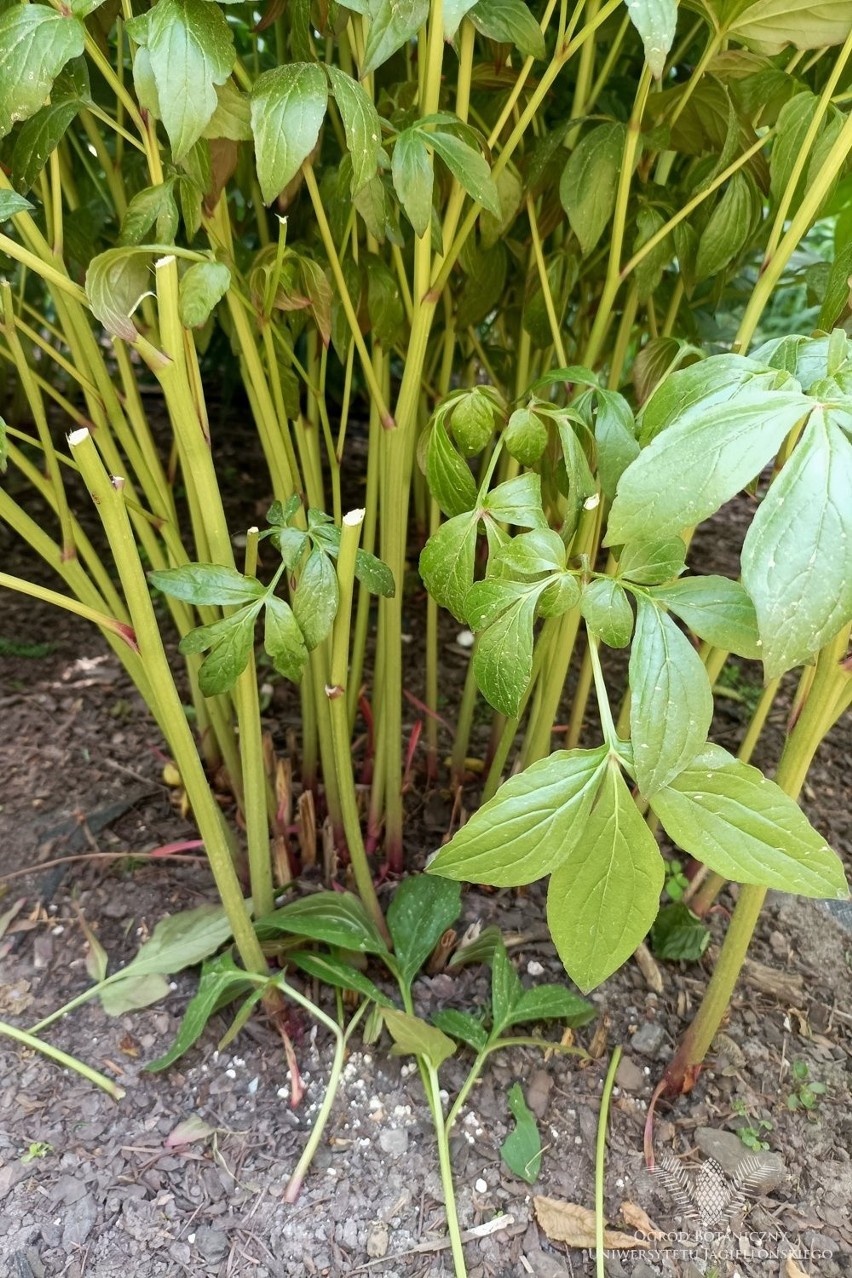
796, 557
338, 918
509, 22
604, 897
560, 595
716, 609
453, 12
418, 916
232, 118
38, 138
615, 439
35, 43
461, 1025
697, 464
415, 1037
231, 645
447, 562
182, 940
589, 183
727, 232
11, 204
447, 474
202, 287
656, 21
392, 24
503, 657
506, 989
220, 979
116, 283
374, 574
283, 639
190, 50
671, 701
521, 1150
651, 562
531, 824
337, 973
525, 436
361, 124
532, 553
153, 204
288, 107
202, 584
316, 598
551, 1003
468, 167
413, 178
728, 815
678, 934
607, 612
517, 501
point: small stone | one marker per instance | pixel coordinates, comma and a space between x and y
394, 1141
538, 1092
378, 1241
819, 1245
649, 1039
211, 1243
778, 944
481, 1186
78, 1221
729, 1152
630, 1076
544, 1266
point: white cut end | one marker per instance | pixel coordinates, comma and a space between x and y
251, 531
77, 436
591, 502
354, 518
164, 261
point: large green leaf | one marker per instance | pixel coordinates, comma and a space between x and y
288, 106
338, 918
689, 393
770, 25
503, 657
589, 182
604, 897
447, 562
361, 124
531, 824
413, 178
447, 473
716, 609
731, 817
316, 598
797, 557
283, 639
35, 43
191, 51
509, 22
468, 167
202, 584
656, 21
418, 916
691, 469
671, 702
392, 24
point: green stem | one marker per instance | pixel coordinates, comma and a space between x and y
538, 737
111, 624
254, 771
464, 723
443, 1140
62, 1058
600, 1160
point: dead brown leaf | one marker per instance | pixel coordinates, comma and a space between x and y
15, 998
575, 1225
597, 1047
639, 1219
792, 1269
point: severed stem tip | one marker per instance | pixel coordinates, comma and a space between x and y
354, 518
78, 436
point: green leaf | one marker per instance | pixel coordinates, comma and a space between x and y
521, 1150
469, 168
202, 584
137, 991
590, 181
453, 12
796, 556
447, 563
604, 897
11, 204
337, 918
489, 599
474, 415
191, 50
418, 916
182, 940
607, 612
413, 178
689, 393
479, 950
220, 979
551, 1003
717, 610
656, 22
202, 287
772, 25
153, 204
506, 989
392, 24
232, 118
316, 598
415, 1037
696, 465
794, 120
384, 303
503, 657
525, 436
678, 934
4, 447
374, 574
728, 230
335, 972
517, 501
652, 562
447, 474
38, 138
531, 824
283, 639
559, 596
461, 1025
509, 22
615, 438
671, 702
35, 43
116, 282
731, 817
361, 124
532, 553
288, 106
231, 645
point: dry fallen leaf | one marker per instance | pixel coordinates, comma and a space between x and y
597, 1047
187, 1131
15, 998
575, 1225
792, 1269
647, 965
639, 1219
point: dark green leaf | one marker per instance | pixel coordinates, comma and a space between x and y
671, 702
316, 598
678, 934
361, 124
604, 897
447, 563
728, 815
521, 1150
335, 972
202, 287
552, 1003
413, 178
652, 562
728, 230
202, 584
337, 918
447, 474
374, 574
559, 596
796, 557
418, 916
35, 43
487, 600
502, 659
717, 610
219, 978
461, 1025
150, 206
11, 204
4, 447
506, 989
473, 416
509, 22
469, 168
384, 303
38, 138
531, 824
589, 183
392, 24
229, 654
283, 639
525, 436
607, 612
288, 107
415, 1037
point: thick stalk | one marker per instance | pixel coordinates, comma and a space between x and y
464, 723
254, 771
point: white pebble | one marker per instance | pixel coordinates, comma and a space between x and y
481, 1186
465, 639
535, 968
